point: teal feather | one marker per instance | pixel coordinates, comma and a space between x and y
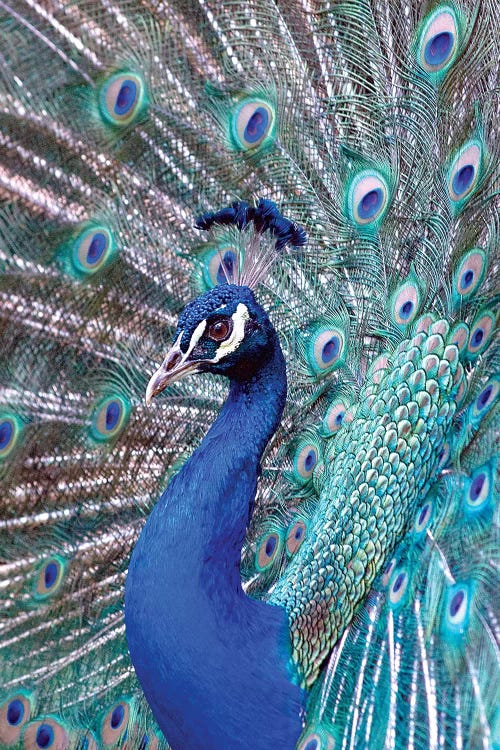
376, 521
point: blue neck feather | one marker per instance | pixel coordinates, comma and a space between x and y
213, 663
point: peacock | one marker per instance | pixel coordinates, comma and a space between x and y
300, 198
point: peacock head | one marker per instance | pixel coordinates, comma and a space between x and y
224, 331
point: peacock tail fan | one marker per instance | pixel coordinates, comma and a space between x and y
373, 125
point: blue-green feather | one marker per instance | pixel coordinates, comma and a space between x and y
371, 125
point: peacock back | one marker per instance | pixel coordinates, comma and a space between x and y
372, 125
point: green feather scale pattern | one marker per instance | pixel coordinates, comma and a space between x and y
119, 123
378, 469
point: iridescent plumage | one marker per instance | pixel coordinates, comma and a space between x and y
375, 525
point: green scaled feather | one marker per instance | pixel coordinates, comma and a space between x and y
373, 125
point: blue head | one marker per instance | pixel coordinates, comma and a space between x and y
224, 331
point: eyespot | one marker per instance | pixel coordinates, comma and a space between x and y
326, 349
220, 329
222, 258
46, 734
458, 605
443, 456
388, 571
122, 99
478, 489
310, 742
486, 398
456, 609
464, 172
469, 274
297, 532
10, 433
398, 586
306, 458
423, 517
480, 333
267, 550
110, 418
405, 303
438, 43
334, 417
115, 723
92, 249
367, 198
15, 712
50, 577
253, 123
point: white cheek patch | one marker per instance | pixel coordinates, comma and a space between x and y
240, 316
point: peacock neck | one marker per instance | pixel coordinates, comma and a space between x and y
196, 640
257, 401
205, 509
212, 496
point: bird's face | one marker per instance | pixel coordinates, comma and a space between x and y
224, 331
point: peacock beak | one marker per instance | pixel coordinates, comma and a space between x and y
174, 367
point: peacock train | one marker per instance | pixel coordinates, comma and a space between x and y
249, 375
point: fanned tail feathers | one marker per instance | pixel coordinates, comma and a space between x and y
371, 124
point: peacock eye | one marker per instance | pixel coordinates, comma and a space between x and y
219, 330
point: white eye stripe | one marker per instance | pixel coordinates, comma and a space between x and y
177, 343
238, 333
226, 347
197, 334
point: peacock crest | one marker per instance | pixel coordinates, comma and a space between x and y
302, 198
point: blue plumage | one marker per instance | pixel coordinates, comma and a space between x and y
319, 570
201, 648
